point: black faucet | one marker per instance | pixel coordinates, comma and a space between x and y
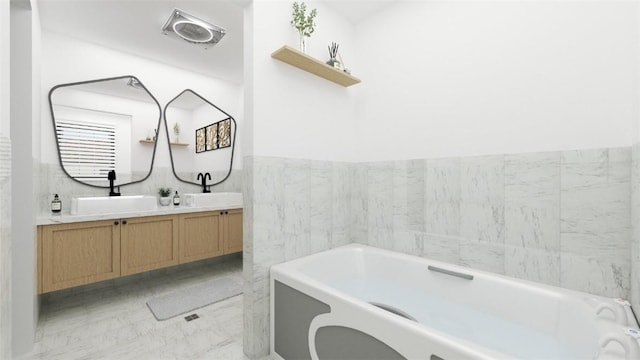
204, 181
111, 176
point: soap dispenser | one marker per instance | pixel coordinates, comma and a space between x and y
176, 199
56, 204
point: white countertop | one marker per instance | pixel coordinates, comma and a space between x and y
66, 217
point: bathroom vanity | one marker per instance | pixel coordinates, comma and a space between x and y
96, 240
79, 250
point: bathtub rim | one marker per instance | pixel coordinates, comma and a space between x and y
290, 274
322, 292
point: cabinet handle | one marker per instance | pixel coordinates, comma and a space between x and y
226, 212
115, 223
221, 212
124, 222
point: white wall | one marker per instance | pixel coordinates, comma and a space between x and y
5, 184
70, 60
183, 157
23, 299
636, 121
5, 125
36, 60
296, 114
635, 197
469, 78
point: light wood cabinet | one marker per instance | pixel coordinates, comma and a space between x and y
208, 234
200, 236
148, 243
232, 233
39, 260
79, 253
85, 252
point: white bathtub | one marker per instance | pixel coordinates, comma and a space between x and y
321, 308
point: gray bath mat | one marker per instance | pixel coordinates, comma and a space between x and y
179, 302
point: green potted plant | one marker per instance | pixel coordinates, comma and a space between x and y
303, 23
176, 132
165, 199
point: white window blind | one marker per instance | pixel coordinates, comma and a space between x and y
88, 150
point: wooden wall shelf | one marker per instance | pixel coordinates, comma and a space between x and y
153, 142
305, 62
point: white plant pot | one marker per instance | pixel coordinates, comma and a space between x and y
165, 200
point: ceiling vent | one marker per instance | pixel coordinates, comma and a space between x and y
191, 29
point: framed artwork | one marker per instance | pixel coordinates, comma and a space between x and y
224, 133
201, 140
212, 136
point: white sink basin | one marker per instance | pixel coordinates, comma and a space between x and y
112, 204
221, 199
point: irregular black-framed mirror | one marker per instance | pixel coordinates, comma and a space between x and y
202, 139
105, 125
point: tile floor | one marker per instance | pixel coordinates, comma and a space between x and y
110, 320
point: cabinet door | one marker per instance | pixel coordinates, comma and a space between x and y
80, 253
200, 235
149, 243
39, 259
232, 231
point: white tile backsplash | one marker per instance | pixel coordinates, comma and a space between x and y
482, 256
592, 274
5, 248
482, 179
295, 208
533, 264
442, 179
482, 222
440, 247
534, 225
532, 176
513, 214
595, 222
415, 194
380, 193
635, 226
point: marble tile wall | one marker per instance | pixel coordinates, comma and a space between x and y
52, 180
5, 248
595, 221
561, 218
635, 221
292, 208
532, 216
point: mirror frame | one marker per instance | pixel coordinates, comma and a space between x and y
233, 141
53, 119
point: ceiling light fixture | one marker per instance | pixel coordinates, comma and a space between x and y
189, 28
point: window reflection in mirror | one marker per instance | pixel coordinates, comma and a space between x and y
103, 125
205, 141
